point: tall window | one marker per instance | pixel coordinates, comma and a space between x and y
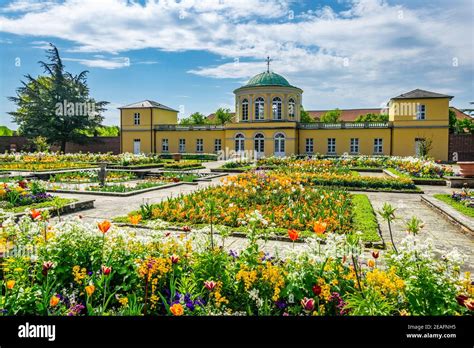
164, 145
182, 145
332, 145
245, 110
420, 112
259, 108
259, 143
239, 142
217, 145
378, 145
279, 144
136, 118
309, 148
276, 108
291, 108
354, 145
199, 145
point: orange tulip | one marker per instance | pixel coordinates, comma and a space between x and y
293, 234
177, 309
135, 219
104, 226
371, 263
320, 227
90, 290
35, 214
10, 284
53, 302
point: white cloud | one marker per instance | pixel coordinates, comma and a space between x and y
114, 63
389, 48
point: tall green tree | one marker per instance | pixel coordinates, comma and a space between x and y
331, 116
223, 116
195, 118
56, 106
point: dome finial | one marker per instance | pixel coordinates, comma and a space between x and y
268, 63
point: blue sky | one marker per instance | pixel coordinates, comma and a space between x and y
192, 54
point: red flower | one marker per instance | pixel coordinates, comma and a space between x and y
186, 229
375, 254
174, 258
35, 214
461, 299
316, 289
106, 270
104, 226
22, 184
293, 234
210, 284
307, 304
47, 265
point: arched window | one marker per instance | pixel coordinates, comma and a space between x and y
291, 108
245, 110
259, 145
279, 144
259, 108
276, 108
239, 142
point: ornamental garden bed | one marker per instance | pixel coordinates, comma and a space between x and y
285, 203
43, 167
183, 165
416, 180
78, 265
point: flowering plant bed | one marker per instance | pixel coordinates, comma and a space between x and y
80, 269
462, 201
91, 176
42, 167
183, 165
18, 195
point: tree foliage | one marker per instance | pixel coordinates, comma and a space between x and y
223, 116
56, 106
465, 125
331, 116
305, 116
194, 119
6, 132
370, 117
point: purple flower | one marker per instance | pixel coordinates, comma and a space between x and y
233, 253
281, 304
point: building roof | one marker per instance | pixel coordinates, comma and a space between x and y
265, 79
421, 94
145, 104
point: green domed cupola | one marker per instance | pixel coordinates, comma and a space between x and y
267, 78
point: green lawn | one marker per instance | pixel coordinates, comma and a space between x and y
455, 204
364, 218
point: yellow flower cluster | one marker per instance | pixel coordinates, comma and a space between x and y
247, 276
218, 298
274, 275
467, 284
325, 289
387, 283
154, 266
79, 274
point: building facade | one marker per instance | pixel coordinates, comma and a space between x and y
267, 123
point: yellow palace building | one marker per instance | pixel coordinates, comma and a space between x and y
267, 123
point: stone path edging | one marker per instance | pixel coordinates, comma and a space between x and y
450, 213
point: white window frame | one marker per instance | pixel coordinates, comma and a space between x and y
182, 145
239, 143
245, 110
331, 145
354, 146
291, 108
276, 108
421, 112
309, 145
165, 145
217, 145
136, 118
279, 143
378, 146
259, 109
199, 145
